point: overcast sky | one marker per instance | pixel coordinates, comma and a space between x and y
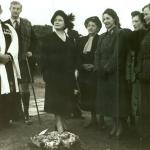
41, 11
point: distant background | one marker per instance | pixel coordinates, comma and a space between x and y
39, 12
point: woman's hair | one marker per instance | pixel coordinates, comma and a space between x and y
139, 14
146, 6
1, 9
114, 15
68, 19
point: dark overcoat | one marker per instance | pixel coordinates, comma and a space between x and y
87, 79
110, 62
58, 66
143, 73
25, 37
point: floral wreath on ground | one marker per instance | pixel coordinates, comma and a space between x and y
56, 141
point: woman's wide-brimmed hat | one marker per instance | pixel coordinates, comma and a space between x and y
68, 19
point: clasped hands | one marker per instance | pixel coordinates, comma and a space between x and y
88, 67
29, 54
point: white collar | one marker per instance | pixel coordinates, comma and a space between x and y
13, 20
65, 31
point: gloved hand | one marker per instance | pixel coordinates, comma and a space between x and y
88, 67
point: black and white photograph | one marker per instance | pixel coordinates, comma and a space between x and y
74, 75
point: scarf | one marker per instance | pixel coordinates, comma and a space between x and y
13, 50
88, 45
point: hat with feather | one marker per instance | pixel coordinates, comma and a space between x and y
68, 19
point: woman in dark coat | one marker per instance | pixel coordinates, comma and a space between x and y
110, 62
136, 38
143, 75
87, 77
58, 64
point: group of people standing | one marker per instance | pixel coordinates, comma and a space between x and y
106, 65
102, 72
113, 68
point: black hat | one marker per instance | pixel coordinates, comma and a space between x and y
67, 18
94, 19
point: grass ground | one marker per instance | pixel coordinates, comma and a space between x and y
17, 137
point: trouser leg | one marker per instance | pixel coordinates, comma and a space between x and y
25, 100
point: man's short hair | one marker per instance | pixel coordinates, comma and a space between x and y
16, 3
148, 5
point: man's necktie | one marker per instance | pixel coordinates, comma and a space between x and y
16, 26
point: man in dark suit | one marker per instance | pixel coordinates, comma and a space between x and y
23, 28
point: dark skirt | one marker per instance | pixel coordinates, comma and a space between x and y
59, 92
113, 97
87, 83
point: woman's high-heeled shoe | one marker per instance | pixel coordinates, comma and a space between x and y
119, 131
113, 130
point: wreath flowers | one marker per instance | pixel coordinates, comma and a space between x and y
56, 141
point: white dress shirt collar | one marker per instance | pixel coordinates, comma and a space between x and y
13, 21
